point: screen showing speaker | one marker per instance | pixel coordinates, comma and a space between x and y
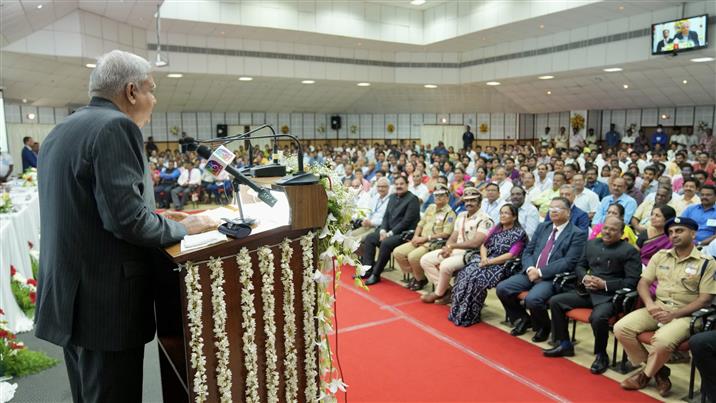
679, 35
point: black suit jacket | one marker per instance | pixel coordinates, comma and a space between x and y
98, 230
566, 251
401, 213
618, 264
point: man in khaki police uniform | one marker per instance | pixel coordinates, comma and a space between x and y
471, 228
686, 284
437, 223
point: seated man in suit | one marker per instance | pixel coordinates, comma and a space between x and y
612, 264
555, 248
577, 216
401, 214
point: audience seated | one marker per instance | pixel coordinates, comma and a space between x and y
705, 215
614, 210
617, 195
374, 211
493, 202
555, 248
189, 180
432, 230
528, 214
577, 217
486, 268
167, 182
608, 264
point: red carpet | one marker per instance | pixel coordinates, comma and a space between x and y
394, 350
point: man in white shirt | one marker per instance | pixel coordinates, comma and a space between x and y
493, 202
374, 212
585, 199
543, 180
503, 182
418, 188
189, 180
6, 166
527, 214
528, 184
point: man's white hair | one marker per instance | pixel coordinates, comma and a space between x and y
115, 70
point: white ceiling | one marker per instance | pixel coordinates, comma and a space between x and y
63, 81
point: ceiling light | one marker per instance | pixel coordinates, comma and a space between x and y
430, 86
24, 100
545, 77
493, 83
613, 69
160, 62
621, 8
175, 75
626, 86
685, 82
39, 6
665, 116
363, 84
702, 59
90, 65
417, 2
245, 78
222, 32
443, 120
308, 82
31, 116
549, 92
541, 26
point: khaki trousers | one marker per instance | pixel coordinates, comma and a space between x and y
439, 270
666, 339
408, 258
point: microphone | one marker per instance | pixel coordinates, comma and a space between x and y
220, 160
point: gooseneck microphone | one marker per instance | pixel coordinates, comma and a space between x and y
220, 160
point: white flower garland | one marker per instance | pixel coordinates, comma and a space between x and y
290, 359
223, 372
249, 324
309, 325
269, 300
194, 306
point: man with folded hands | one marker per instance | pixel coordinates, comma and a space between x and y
607, 265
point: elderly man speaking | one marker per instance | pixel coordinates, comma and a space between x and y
99, 230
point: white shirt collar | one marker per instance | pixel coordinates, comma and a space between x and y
560, 229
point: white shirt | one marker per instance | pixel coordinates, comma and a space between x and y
492, 209
5, 162
505, 189
543, 184
189, 177
377, 211
421, 191
532, 194
528, 218
587, 201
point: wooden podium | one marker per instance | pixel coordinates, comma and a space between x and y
308, 212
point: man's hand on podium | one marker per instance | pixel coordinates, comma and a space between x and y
196, 224
174, 215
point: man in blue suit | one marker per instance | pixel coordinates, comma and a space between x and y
29, 159
577, 217
555, 248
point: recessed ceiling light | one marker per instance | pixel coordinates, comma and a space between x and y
90, 65
621, 8
702, 59
31, 116
430, 86
541, 26
443, 120
363, 84
308, 82
245, 78
24, 100
493, 83
545, 77
549, 92
613, 69
359, 44
685, 82
39, 6
175, 75
665, 116
417, 2
222, 32
626, 86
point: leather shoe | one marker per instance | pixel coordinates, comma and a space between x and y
373, 279
559, 351
663, 384
418, 285
430, 298
446, 298
541, 335
636, 381
365, 275
600, 364
521, 326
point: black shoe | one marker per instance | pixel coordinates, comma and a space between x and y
373, 279
541, 335
521, 326
411, 283
418, 285
559, 351
364, 276
600, 364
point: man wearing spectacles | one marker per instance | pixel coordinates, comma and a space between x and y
686, 284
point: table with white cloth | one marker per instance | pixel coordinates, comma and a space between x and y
19, 234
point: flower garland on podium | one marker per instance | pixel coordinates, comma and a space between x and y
269, 301
223, 372
198, 361
248, 313
290, 360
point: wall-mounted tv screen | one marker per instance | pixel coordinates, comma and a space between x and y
679, 35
